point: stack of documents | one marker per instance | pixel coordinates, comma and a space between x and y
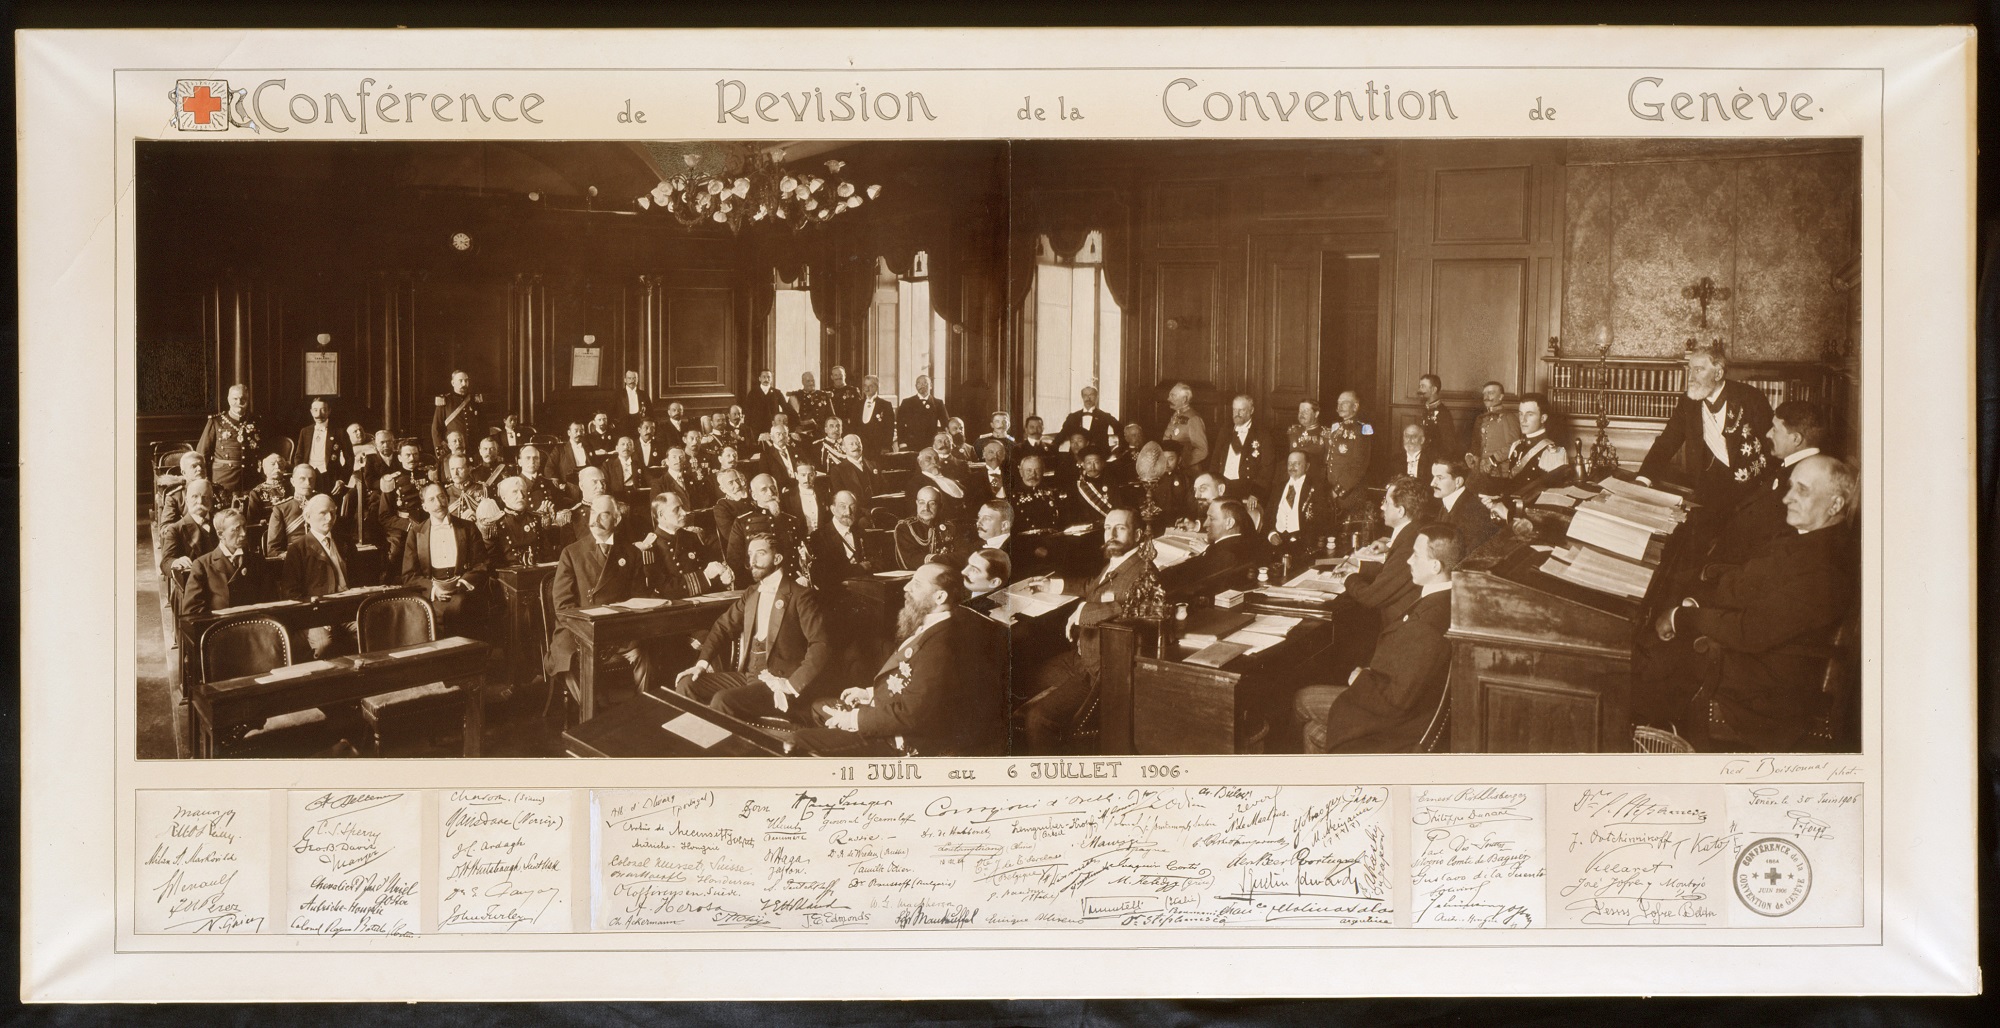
1171, 548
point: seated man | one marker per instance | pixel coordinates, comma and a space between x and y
490, 468
591, 485
1386, 706
1300, 516
573, 455
288, 516
994, 524
270, 489
518, 536
541, 493
173, 503
1460, 508
680, 478
185, 540
1090, 499
730, 505
930, 474
832, 431
591, 573
445, 556
988, 480
839, 551
806, 499
1533, 462
941, 692
927, 537
227, 576
769, 645
1037, 504
317, 565
1752, 687
678, 563
1387, 587
1230, 561
998, 425
463, 494
1033, 440
624, 474
1127, 586
766, 516
852, 472
986, 574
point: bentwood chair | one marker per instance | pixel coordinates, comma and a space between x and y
421, 712
252, 645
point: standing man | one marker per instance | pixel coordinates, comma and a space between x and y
765, 402
1126, 587
1350, 443
875, 419
846, 398
592, 572
920, 417
457, 410
1100, 427
1714, 442
1245, 457
1439, 430
766, 651
633, 404
1493, 431
814, 405
321, 447
230, 445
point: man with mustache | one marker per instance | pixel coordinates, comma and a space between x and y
926, 536
288, 516
227, 576
767, 516
678, 563
765, 653
939, 693
1127, 586
592, 572
1714, 441
445, 556
839, 551
852, 472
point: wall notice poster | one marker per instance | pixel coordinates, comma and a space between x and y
1582, 378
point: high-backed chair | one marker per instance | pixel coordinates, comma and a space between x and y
252, 645
420, 712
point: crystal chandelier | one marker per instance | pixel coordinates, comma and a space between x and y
758, 190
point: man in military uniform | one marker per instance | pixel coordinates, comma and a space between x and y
814, 405
399, 504
1306, 434
457, 410
1037, 506
846, 398
1349, 443
463, 494
1440, 432
288, 516
521, 535
230, 445
920, 417
1494, 431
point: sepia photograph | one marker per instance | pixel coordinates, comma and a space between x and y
1049, 448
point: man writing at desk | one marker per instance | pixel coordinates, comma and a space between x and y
776, 636
1068, 683
938, 693
1386, 706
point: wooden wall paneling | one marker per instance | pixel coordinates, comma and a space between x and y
1187, 325
1285, 324
1478, 319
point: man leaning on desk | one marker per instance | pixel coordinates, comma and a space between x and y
591, 573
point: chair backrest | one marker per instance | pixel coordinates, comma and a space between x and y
1438, 735
546, 443
284, 447
386, 622
1647, 739
241, 646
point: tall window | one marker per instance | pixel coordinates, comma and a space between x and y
795, 331
906, 338
1076, 327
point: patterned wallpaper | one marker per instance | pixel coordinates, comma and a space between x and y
1776, 230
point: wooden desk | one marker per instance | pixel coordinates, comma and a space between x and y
622, 627
1154, 703
527, 625
295, 615
1538, 665
638, 729
221, 706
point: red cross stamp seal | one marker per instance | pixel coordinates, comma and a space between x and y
201, 105
1773, 876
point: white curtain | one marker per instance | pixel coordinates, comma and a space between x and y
1077, 330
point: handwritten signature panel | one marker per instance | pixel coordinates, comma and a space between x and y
504, 861
204, 863
1477, 856
353, 863
901, 858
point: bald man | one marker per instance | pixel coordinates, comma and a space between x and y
193, 535
1768, 622
317, 565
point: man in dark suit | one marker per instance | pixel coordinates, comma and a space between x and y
625, 473
765, 653
591, 573
778, 456
839, 549
1127, 586
1714, 441
1231, 557
989, 479
1245, 455
1387, 705
572, 455
1412, 457
921, 417
732, 501
446, 557
321, 447
852, 473
874, 418
317, 565
227, 576
1460, 508
806, 499
648, 447
633, 404
193, 535
678, 477
986, 575
1797, 430
1100, 427
764, 402
953, 497
1033, 440
1766, 623
456, 411
941, 691
512, 434
600, 437
1386, 586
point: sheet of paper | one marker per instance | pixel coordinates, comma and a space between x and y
505, 861
1478, 856
353, 863
697, 730
642, 603
204, 862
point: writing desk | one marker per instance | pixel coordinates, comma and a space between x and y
612, 627
221, 706
1151, 702
638, 729
527, 625
296, 615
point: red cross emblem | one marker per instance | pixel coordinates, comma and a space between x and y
201, 105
